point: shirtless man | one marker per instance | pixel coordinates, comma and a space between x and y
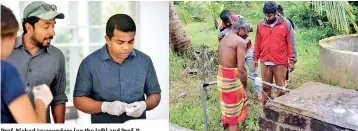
227, 21
232, 77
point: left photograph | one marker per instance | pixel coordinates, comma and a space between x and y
84, 62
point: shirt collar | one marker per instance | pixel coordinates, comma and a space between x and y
279, 20
19, 43
105, 54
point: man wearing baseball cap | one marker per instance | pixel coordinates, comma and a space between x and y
39, 62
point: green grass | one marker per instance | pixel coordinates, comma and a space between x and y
176, 65
203, 34
186, 110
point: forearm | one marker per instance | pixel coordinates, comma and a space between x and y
30, 115
58, 113
293, 54
257, 52
292, 45
243, 77
152, 101
88, 105
40, 110
257, 49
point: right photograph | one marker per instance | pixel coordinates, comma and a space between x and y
263, 65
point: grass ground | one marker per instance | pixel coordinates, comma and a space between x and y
185, 107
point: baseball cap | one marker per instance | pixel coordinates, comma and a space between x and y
42, 10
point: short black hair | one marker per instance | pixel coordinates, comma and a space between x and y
270, 7
121, 22
225, 15
31, 20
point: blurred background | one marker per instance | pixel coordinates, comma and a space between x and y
82, 32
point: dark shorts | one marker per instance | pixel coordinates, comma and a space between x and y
287, 72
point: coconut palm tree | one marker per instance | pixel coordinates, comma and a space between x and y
179, 40
183, 15
339, 14
214, 8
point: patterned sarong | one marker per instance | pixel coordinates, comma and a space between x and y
231, 93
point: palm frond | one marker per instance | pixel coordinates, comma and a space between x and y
214, 8
183, 15
339, 14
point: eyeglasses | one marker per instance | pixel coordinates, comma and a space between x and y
47, 7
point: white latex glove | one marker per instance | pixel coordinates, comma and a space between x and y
136, 109
258, 81
114, 108
43, 93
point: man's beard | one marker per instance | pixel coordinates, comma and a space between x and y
271, 21
41, 44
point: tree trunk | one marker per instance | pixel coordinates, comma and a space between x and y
216, 22
179, 39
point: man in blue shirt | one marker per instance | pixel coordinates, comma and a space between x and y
113, 81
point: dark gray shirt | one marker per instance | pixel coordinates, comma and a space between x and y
47, 66
102, 79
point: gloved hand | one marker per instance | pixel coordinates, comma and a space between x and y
258, 82
136, 109
113, 108
43, 93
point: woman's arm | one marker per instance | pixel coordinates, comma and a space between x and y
23, 111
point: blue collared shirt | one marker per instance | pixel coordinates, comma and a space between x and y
102, 79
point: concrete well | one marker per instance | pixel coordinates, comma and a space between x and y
339, 60
312, 107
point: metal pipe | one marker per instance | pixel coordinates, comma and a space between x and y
272, 85
202, 96
203, 105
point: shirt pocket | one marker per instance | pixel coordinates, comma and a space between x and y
137, 85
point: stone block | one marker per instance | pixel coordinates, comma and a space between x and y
271, 114
286, 129
294, 120
267, 124
317, 125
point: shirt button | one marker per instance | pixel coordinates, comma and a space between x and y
30, 70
